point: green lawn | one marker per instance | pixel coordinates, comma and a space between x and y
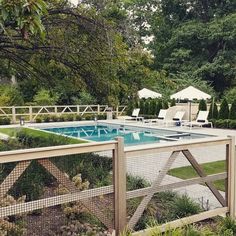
188, 172
38, 133
8, 131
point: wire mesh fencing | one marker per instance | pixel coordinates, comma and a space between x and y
59, 194
174, 181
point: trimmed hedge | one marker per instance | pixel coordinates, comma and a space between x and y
5, 121
68, 117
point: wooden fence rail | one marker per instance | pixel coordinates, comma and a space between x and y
30, 113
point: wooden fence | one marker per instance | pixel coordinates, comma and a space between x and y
30, 113
116, 218
228, 203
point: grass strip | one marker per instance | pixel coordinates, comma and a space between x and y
187, 172
12, 132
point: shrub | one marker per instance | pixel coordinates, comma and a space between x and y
88, 117
213, 111
222, 123
5, 120
101, 116
61, 118
147, 108
228, 225
78, 117
38, 119
130, 108
173, 102
54, 118
142, 106
153, 106
224, 110
202, 106
232, 124
46, 118
69, 117
136, 182
184, 206
165, 104
232, 114
159, 106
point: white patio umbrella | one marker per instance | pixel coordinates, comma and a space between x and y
190, 93
147, 93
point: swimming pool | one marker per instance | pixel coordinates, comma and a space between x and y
132, 135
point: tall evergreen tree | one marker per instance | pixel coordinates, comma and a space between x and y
202, 106
232, 114
224, 110
213, 111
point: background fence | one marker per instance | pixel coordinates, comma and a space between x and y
70, 188
30, 113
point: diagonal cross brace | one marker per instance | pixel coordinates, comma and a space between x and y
15, 174
201, 173
66, 182
139, 211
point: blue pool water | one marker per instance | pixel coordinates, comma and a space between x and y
132, 136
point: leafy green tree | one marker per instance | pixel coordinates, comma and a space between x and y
232, 113
45, 97
224, 110
230, 94
10, 96
24, 15
213, 111
202, 106
85, 99
195, 38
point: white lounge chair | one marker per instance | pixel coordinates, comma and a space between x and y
160, 118
200, 121
134, 116
177, 118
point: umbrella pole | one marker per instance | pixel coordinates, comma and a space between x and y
190, 111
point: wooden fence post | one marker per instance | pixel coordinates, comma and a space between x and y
119, 181
13, 115
231, 177
30, 114
55, 110
98, 109
77, 109
117, 111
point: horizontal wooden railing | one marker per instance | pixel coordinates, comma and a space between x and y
30, 113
